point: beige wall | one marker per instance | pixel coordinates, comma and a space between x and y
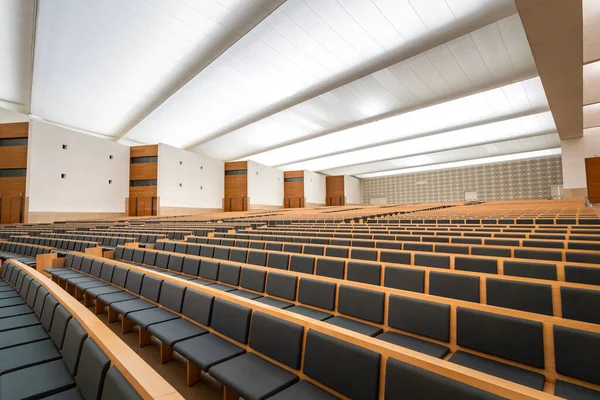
173, 211
45, 217
574, 153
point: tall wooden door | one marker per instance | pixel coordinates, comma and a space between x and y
11, 210
592, 172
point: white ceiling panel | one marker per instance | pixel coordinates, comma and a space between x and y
431, 77
16, 38
99, 65
467, 163
301, 47
501, 103
503, 130
541, 142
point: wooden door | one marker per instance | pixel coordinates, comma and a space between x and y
592, 172
11, 210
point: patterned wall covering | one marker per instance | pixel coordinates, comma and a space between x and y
523, 179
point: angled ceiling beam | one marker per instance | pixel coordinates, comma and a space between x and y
554, 30
220, 46
436, 39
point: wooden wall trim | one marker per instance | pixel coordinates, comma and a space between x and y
144, 151
13, 157
236, 165
143, 171
14, 130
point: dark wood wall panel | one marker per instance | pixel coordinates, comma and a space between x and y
143, 200
293, 192
14, 130
236, 187
144, 151
592, 171
236, 165
143, 171
12, 189
334, 190
13, 157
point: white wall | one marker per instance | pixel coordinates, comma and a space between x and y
9, 116
265, 185
314, 187
87, 166
201, 179
574, 153
352, 190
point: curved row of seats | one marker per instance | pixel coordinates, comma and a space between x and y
419, 255
46, 351
24, 253
257, 351
468, 280
62, 244
419, 242
367, 232
485, 263
510, 345
104, 241
396, 241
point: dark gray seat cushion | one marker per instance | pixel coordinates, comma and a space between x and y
252, 377
231, 320
245, 294
96, 291
525, 296
110, 298
310, 312
207, 350
405, 279
499, 369
93, 366
283, 286
461, 287
20, 321
576, 353
147, 317
361, 303
359, 327
303, 264
331, 361
116, 387
59, 325
422, 317
404, 380
197, 306
17, 308
512, 338
253, 279
574, 392
317, 293
276, 338
578, 274
580, 304
432, 260
364, 272
530, 270
303, 390
27, 355
175, 330
125, 307
36, 382
279, 261
416, 344
273, 302
485, 265
330, 268
22, 336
